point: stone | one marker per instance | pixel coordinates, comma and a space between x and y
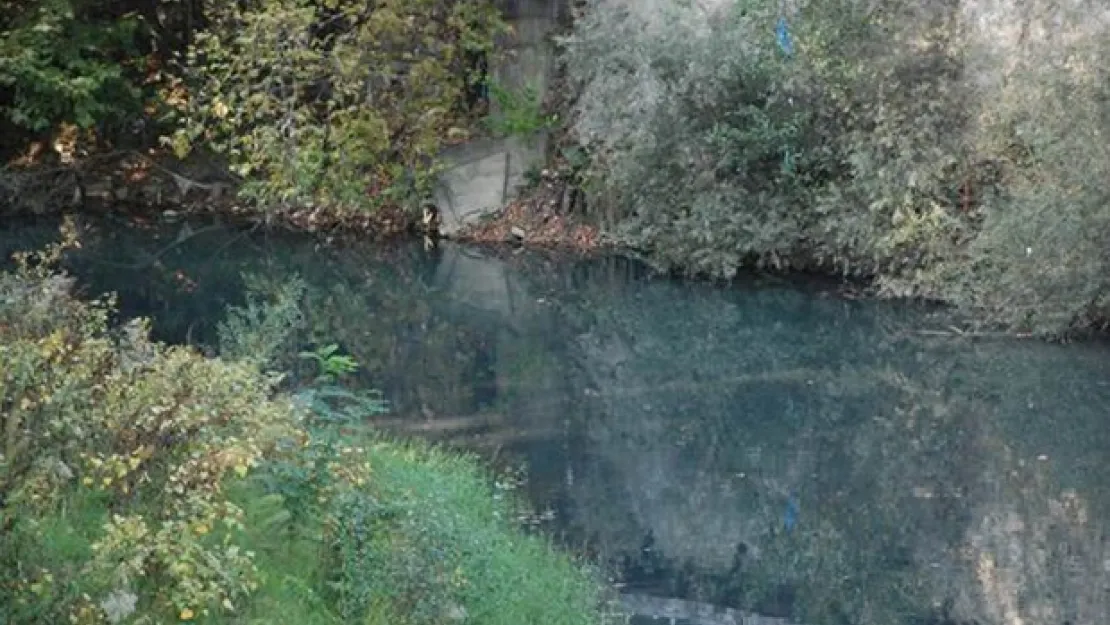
456, 613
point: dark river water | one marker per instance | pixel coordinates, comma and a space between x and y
767, 447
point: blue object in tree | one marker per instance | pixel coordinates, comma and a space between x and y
782, 34
790, 516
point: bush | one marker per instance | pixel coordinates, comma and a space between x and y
59, 64
114, 456
337, 104
883, 147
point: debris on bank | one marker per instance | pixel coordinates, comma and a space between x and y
155, 184
541, 217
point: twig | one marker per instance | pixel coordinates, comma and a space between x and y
183, 183
954, 331
154, 258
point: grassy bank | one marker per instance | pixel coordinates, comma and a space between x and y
440, 548
141, 483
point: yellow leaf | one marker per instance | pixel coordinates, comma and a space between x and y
180, 144
186, 615
241, 470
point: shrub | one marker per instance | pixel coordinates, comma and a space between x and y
339, 104
59, 64
884, 147
136, 437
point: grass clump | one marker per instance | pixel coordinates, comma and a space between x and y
141, 483
449, 541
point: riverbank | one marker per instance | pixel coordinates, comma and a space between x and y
160, 188
154, 184
547, 214
144, 481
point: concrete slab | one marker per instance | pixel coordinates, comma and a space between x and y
483, 175
469, 190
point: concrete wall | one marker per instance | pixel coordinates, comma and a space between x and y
484, 175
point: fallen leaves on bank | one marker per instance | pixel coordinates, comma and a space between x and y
537, 219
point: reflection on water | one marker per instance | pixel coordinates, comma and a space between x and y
765, 448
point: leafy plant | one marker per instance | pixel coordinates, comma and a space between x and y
332, 365
517, 112
335, 104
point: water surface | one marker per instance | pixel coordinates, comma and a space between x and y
767, 447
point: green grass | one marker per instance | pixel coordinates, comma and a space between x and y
443, 539
443, 542
443, 500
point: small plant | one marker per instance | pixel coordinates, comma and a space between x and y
261, 329
517, 112
332, 365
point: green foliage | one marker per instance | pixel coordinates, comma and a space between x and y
332, 103
516, 112
905, 141
260, 330
60, 64
438, 544
137, 436
332, 365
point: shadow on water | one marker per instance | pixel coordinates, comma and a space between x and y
763, 448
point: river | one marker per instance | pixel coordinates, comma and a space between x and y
768, 447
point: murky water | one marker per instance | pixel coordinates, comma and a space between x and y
767, 447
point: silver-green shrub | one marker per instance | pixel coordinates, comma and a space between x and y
946, 149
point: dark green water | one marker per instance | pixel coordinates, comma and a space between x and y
766, 447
